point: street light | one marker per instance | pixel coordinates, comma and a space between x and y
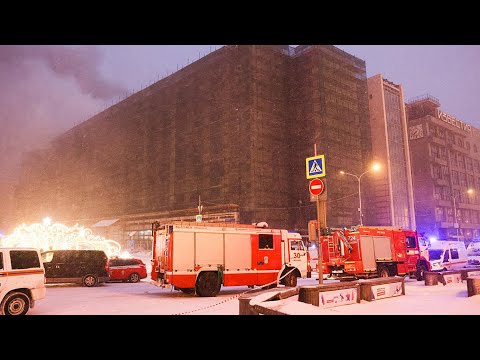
456, 225
375, 167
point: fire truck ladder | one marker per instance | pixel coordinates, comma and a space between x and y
331, 247
344, 239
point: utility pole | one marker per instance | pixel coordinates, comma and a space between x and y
320, 224
198, 218
375, 167
200, 207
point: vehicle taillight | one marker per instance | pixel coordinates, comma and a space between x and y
107, 268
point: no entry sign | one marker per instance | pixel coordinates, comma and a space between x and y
316, 187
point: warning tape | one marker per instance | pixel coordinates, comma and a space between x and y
234, 296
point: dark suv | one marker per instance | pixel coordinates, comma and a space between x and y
86, 267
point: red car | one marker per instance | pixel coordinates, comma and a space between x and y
132, 269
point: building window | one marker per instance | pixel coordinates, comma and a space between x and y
464, 198
468, 163
441, 133
450, 138
443, 152
456, 193
455, 177
444, 171
467, 145
459, 216
471, 182
453, 159
461, 161
446, 193
474, 148
450, 215
439, 214
474, 215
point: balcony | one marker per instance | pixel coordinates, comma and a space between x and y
455, 147
444, 202
442, 182
468, 225
446, 225
438, 160
437, 140
467, 206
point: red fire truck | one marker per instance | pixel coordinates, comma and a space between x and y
369, 251
196, 257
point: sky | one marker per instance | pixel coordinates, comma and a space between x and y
46, 90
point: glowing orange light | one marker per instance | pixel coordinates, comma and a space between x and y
47, 236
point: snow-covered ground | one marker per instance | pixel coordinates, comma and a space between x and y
144, 298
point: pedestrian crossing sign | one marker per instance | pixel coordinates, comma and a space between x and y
315, 166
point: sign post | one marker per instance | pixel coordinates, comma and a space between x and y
315, 167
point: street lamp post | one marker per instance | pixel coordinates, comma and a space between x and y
456, 224
375, 167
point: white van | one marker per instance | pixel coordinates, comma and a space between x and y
473, 253
22, 280
447, 255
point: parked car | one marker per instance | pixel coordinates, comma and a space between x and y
132, 269
86, 267
22, 280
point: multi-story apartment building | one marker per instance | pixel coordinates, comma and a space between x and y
392, 190
445, 154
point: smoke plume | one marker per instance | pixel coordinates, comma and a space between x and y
44, 91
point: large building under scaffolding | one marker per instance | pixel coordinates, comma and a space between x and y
230, 131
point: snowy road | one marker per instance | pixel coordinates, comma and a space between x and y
143, 298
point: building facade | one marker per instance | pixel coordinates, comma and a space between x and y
392, 190
445, 154
232, 129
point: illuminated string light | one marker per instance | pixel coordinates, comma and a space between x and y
47, 236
